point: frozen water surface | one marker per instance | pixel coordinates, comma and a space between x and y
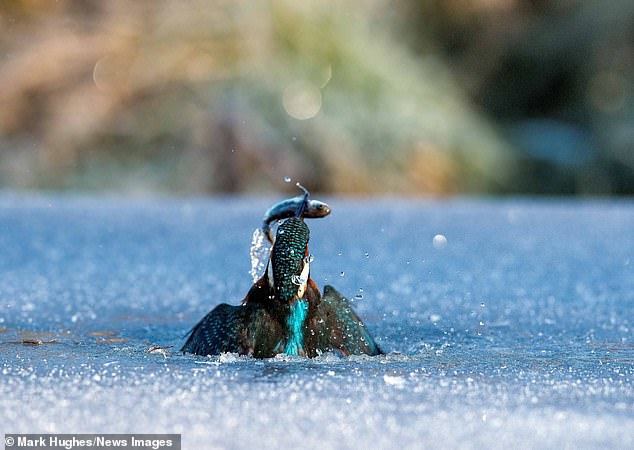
516, 332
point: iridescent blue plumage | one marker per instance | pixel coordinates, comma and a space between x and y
295, 325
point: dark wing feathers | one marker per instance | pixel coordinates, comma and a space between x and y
217, 332
250, 330
339, 328
246, 329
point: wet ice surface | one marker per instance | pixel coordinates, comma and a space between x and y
517, 332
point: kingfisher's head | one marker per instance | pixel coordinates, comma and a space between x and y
289, 265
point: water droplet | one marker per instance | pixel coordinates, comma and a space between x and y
482, 305
287, 179
439, 241
259, 253
367, 255
342, 274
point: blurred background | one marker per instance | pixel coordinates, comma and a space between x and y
430, 97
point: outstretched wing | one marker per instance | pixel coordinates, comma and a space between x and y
246, 329
339, 328
217, 332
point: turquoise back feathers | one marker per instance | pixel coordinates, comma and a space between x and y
295, 325
287, 256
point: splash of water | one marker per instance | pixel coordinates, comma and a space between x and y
259, 253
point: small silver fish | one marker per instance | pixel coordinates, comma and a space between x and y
311, 209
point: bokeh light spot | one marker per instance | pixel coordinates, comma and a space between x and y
302, 100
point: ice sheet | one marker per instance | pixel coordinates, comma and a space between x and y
516, 332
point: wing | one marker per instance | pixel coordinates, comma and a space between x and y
338, 327
217, 332
246, 329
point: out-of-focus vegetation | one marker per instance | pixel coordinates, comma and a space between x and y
410, 97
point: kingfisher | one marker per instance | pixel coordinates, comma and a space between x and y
284, 312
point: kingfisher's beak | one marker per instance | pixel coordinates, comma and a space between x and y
299, 213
